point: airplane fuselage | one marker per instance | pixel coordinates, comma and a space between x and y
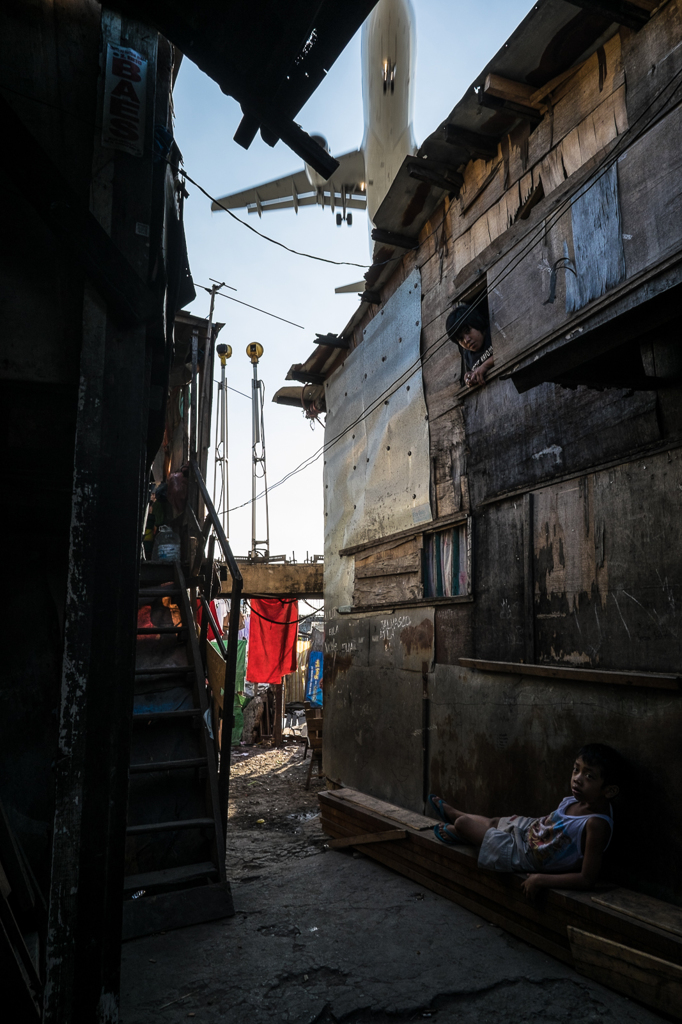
388, 56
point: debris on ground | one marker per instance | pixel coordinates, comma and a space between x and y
272, 818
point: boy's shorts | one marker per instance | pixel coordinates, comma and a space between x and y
504, 848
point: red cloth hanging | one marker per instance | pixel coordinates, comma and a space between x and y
272, 639
214, 613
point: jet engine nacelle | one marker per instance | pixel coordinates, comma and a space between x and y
315, 179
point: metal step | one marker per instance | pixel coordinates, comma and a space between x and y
168, 766
158, 592
153, 630
169, 670
170, 826
156, 716
184, 875
177, 909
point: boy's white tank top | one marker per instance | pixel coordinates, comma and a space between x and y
555, 842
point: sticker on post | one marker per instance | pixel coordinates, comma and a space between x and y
125, 94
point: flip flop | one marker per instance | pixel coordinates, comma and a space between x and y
441, 832
437, 805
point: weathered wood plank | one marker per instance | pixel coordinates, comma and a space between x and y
386, 590
643, 908
374, 566
655, 680
304, 579
649, 979
389, 836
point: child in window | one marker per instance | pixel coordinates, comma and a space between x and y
468, 328
562, 850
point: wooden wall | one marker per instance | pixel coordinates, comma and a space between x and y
575, 493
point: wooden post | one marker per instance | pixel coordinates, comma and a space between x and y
528, 580
277, 725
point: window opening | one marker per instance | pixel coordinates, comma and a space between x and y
446, 563
473, 299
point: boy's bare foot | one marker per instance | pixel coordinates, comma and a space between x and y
444, 811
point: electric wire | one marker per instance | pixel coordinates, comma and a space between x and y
532, 237
438, 342
222, 295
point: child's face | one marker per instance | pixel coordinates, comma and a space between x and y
587, 783
471, 338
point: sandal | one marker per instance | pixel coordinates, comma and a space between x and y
441, 832
437, 805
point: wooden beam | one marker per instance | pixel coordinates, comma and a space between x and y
371, 837
298, 372
332, 340
506, 89
632, 15
510, 107
449, 181
305, 579
394, 238
655, 680
484, 146
649, 979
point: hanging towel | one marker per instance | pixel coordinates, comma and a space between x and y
214, 613
272, 639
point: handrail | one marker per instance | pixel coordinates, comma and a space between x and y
220, 534
214, 625
232, 642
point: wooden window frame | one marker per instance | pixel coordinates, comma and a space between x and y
429, 529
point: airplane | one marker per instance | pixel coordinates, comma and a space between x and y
363, 176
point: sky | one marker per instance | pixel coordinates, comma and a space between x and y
454, 41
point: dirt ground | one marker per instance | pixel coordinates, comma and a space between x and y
272, 818
325, 936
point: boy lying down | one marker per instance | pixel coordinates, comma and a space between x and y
562, 850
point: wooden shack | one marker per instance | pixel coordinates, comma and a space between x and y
503, 568
94, 269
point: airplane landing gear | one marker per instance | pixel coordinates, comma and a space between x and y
340, 219
349, 219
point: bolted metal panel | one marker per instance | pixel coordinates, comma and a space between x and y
377, 473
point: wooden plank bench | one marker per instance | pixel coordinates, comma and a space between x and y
611, 917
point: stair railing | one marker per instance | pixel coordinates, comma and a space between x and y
230, 653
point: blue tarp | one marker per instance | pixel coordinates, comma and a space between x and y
313, 683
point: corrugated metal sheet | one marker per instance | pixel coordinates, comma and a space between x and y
377, 448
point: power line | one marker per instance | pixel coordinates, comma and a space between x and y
532, 237
257, 308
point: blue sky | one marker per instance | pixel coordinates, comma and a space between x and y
455, 39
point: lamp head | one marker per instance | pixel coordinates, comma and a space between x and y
224, 352
254, 351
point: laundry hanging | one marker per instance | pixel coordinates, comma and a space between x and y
272, 639
214, 613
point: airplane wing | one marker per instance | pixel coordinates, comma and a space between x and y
346, 188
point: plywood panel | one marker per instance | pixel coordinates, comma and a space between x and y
650, 186
522, 440
608, 570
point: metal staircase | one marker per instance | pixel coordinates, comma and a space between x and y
177, 800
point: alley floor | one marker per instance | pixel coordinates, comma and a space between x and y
331, 936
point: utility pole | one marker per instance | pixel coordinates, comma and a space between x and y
221, 449
260, 549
